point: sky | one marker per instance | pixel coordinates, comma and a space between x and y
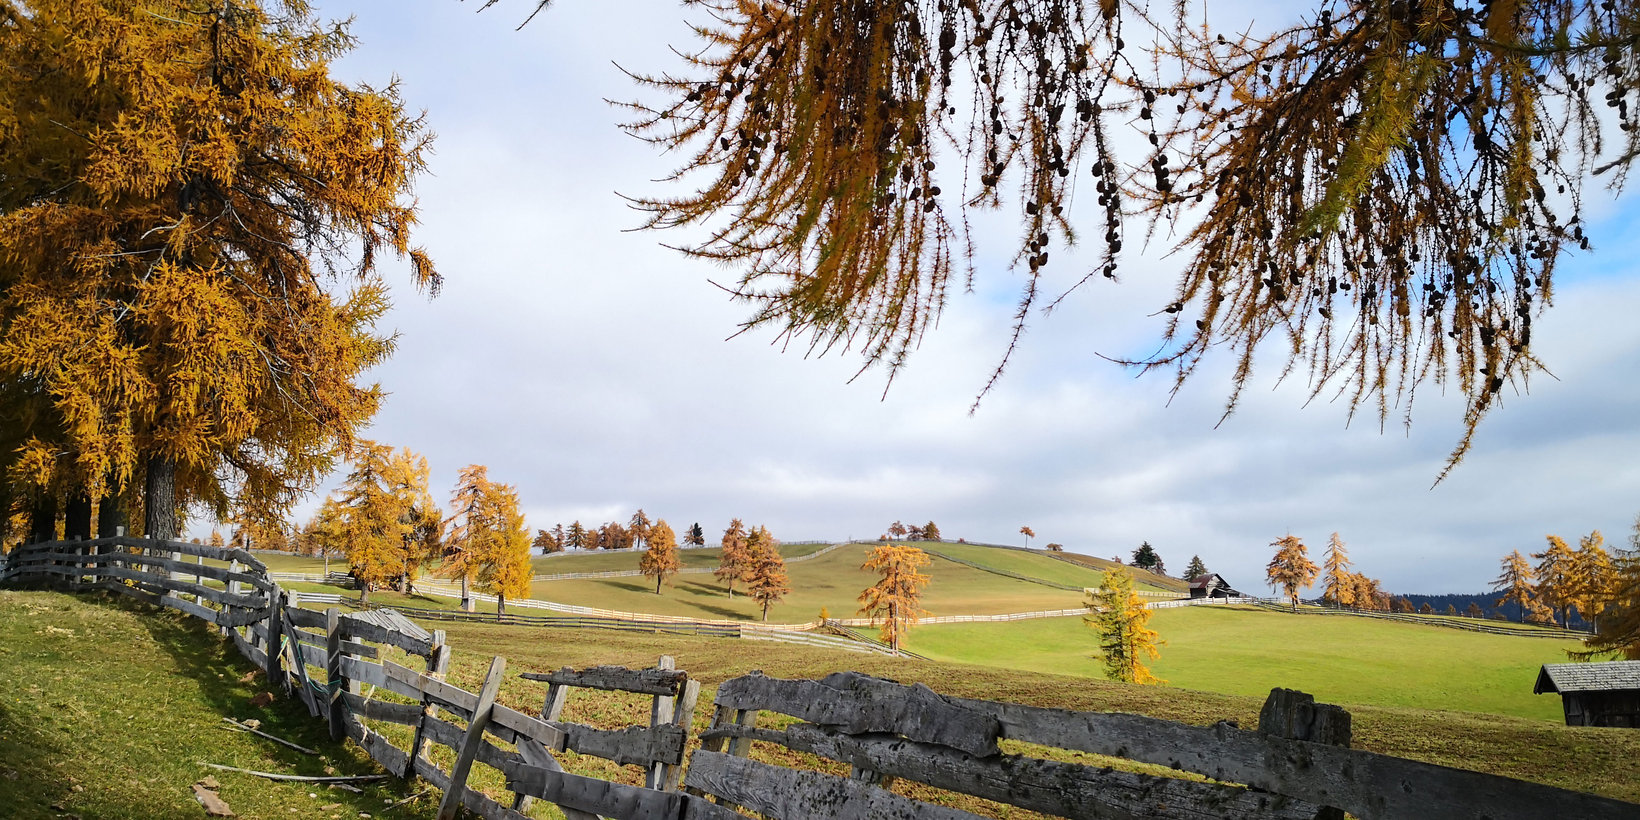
591, 367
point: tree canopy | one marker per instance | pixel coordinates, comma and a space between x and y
191, 209
1382, 190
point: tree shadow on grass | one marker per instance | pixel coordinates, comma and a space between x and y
29, 762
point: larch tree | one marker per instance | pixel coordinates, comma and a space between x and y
1196, 569
505, 569
1474, 611
1516, 584
1617, 629
389, 522
734, 558
931, 531
660, 559
191, 211
1383, 190
1593, 577
896, 530
1556, 582
468, 529
1291, 569
577, 536
696, 536
1125, 639
1335, 566
1028, 533
766, 581
896, 596
638, 528
546, 542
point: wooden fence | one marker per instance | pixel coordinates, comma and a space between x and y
1297, 764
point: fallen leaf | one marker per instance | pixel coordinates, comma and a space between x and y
262, 701
210, 783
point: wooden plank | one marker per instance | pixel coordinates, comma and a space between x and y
475, 735
334, 677
616, 679
634, 745
859, 704
308, 618
404, 714
365, 630
1367, 785
450, 697
390, 757
1296, 716
684, 719
535, 754
528, 728
251, 653
474, 801
362, 650
183, 605
786, 794
275, 631
219, 596
317, 640
437, 663
1061, 789
660, 713
595, 796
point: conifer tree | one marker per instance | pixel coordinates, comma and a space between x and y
696, 536
192, 186
577, 536
216, 539
735, 558
896, 530
766, 581
1593, 577
1145, 557
1451, 610
1122, 619
1556, 582
1028, 533
1335, 566
660, 560
504, 570
931, 531
389, 520
1474, 611
895, 597
546, 542
1196, 569
637, 530
1291, 568
1617, 629
1516, 584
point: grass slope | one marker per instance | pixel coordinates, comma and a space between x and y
1244, 651
107, 710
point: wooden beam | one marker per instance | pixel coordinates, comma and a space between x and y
616, 679
787, 794
475, 735
337, 708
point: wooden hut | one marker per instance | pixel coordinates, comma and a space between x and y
1212, 585
1595, 694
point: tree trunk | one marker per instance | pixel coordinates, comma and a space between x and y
111, 519
364, 595
466, 595
500, 605
42, 520
657, 585
159, 500
77, 518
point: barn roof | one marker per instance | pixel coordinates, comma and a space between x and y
1205, 581
1588, 677
392, 619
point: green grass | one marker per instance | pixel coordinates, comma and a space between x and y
615, 561
107, 710
1035, 565
1234, 650
833, 581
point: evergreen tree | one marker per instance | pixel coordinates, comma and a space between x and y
1196, 569
1121, 618
1145, 557
660, 560
1291, 568
696, 536
1335, 566
734, 559
896, 596
1451, 610
766, 581
1474, 611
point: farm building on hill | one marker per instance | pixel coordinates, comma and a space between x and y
1595, 694
1212, 585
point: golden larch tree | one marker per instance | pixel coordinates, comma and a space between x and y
191, 212
468, 529
1617, 629
660, 560
895, 597
389, 523
766, 581
1593, 577
1515, 583
1335, 566
734, 558
1125, 639
1291, 569
504, 569
1556, 580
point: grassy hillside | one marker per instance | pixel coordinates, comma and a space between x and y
1238, 651
107, 710
1144, 577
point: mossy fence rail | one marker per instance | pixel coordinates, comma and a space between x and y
1297, 764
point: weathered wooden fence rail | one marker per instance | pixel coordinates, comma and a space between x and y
1297, 764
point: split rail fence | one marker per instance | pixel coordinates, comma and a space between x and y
901, 745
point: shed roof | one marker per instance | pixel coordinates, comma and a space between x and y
1206, 581
1588, 677
394, 620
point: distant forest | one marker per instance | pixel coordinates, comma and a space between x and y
1487, 601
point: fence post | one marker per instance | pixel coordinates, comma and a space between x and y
475, 736
661, 712
1294, 715
275, 632
438, 661
333, 674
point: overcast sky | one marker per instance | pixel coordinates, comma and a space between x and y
590, 367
